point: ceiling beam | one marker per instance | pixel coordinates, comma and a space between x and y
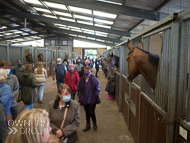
83, 39
78, 33
112, 8
36, 34
52, 20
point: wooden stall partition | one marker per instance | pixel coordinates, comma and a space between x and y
134, 112
152, 125
125, 106
117, 79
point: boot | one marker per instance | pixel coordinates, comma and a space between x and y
94, 126
87, 127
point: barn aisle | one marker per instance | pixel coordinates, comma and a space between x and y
111, 125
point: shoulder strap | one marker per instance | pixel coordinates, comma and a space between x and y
64, 117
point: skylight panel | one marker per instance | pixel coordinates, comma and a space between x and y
33, 2
81, 36
90, 38
67, 19
63, 14
83, 17
80, 10
103, 21
110, 2
42, 9
103, 26
55, 5
73, 35
104, 14
83, 22
50, 16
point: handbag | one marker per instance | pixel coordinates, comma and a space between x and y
53, 138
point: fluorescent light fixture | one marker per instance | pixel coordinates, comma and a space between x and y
83, 17
88, 32
33, 2
103, 35
103, 26
83, 22
18, 32
78, 30
110, 2
33, 32
103, 21
104, 14
100, 40
42, 9
101, 32
55, 5
1, 35
80, 10
81, 36
25, 34
90, 38
50, 16
3, 27
56, 24
73, 27
63, 14
8, 33
67, 19
64, 28
73, 35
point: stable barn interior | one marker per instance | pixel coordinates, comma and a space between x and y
162, 115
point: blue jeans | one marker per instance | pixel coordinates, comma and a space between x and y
28, 106
73, 95
14, 112
40, 90
59, 81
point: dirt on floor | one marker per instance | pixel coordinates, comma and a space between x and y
111, 125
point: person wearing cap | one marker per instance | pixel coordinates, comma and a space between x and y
18, 69
12, 81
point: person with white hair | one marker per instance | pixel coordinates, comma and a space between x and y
60, 70
5, 92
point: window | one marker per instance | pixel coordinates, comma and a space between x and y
64, 42
52, 42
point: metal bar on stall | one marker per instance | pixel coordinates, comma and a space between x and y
120, 83
46, 58
173, 82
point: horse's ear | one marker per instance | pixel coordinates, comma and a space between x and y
140, 45
130, 47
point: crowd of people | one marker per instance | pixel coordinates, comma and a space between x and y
63, 119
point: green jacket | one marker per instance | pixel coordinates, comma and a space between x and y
28, 84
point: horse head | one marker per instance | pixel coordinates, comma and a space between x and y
29, 58
40, 57
142, 62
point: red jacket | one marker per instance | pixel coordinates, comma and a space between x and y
72, 80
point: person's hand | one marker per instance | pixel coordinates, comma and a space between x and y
59, 133
61, 139
53, 78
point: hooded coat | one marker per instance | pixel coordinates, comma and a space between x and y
28, 84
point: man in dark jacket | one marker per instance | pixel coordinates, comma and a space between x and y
88, 91
79, 58
3, 122
97, 66
60, 71
18, 69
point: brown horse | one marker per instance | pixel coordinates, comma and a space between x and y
40, 57
29, 58
142, 62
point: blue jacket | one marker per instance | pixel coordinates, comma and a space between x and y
5, 97
60, 71
95, 90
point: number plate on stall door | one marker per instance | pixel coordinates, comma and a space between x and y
183, 132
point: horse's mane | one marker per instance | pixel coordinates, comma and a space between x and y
39, 55
152, 58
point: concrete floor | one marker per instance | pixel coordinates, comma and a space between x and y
111, 125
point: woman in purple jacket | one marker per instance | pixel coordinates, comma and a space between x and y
88, 92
